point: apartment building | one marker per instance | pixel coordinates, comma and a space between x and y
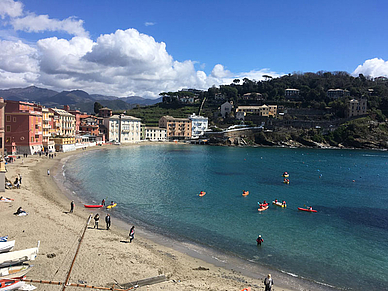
357, 107
155, 134
199, 125
177, 128
263, 110
23, 127
64, 122
123, 128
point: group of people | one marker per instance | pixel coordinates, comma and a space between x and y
97, 219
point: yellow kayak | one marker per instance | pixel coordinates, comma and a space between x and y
111, 206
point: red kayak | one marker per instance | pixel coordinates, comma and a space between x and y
93, 206
305, 209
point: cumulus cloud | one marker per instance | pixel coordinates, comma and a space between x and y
10, 8
122, 63
374, 68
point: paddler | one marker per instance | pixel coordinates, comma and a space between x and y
259, 240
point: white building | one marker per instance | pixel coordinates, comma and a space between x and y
226, 109
155, 134
199, 125
123, 128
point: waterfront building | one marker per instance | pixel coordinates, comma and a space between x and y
64, 122
356, 107
47, 118
105, 112
23, 127
64, 144
177, 128
199, 124
155, 133
263, 110
123, 128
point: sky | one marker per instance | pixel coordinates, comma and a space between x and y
124, 47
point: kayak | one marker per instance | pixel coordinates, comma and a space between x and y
245, 193
93, 206
202, 193
111, 206
280, 204
307, 210
262, 209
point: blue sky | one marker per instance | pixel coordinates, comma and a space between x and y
142, 48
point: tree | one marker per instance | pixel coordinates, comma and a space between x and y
97, 107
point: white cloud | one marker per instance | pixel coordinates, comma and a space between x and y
10, 8
149, 23
41, 23
122, 63
374, 68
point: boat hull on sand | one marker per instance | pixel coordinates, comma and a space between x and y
6, 246
93, 206
14, 271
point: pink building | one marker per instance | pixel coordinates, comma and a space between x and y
23, 127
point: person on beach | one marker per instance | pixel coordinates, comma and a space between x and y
107, 221
20, 177
48, 172
259, 240
71, 206
103, 202
268, 282
20, 211
131, 234
96, 220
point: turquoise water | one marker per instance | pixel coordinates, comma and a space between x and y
344, 244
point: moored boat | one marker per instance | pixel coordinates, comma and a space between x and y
11, 284
14, 271
6, 246
93, 206
17, 257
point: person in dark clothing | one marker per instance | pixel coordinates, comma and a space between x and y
107, 221
268, 282
96, 220
259, 240
103, 202
131, 234
71, 206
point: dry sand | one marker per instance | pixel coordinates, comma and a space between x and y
104, 256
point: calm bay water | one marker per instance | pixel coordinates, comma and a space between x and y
344, 244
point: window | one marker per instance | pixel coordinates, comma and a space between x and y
8, 128
32, 139
8, 118
14, 119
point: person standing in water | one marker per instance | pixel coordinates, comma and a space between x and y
259, 240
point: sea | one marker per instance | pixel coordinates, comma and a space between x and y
344, 245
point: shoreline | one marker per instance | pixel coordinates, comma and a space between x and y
47, 201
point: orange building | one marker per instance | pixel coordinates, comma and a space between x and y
177, 128
23, 127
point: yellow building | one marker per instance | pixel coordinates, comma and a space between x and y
263, 110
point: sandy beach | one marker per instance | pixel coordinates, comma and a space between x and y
105, 256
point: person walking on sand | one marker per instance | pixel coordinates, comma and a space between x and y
96, 220
259, 240
71, 206
20, 179
48, 172
131, 234
268, 282
107, 221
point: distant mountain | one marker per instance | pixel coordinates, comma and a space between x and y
30, 94
76, 99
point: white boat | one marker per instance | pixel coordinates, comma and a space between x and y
6, 246
14, 271
18, 257
4, 238
11, 284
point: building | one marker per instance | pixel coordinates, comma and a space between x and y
263, 110
177, 128
23, 128
105, 112
47, 122
64, 144
356, 107
337, 93
64, 122
226, 109
123, 128
199, 125
252, 96
292, 94
155, 134
2, 129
